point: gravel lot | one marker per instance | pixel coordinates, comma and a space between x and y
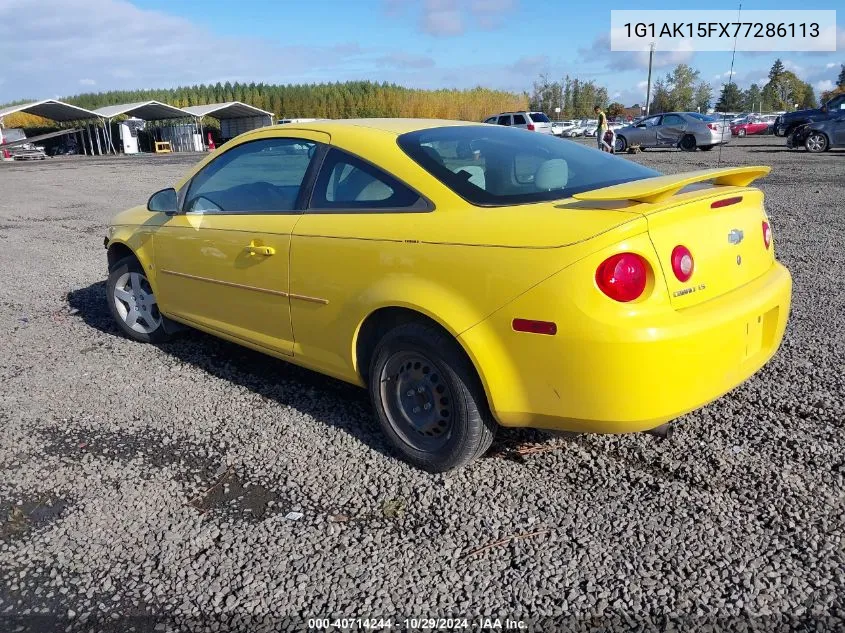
145, 487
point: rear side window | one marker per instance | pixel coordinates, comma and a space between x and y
491, 166
539, 117
505, 120
518, 119
349, 183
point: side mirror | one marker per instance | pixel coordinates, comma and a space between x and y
164, 201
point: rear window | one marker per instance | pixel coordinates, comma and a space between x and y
703, 117
539, 117
500, 166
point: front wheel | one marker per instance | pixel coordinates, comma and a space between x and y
621, 144
132, 303
687, 143
428, 398
741, 132
816, 142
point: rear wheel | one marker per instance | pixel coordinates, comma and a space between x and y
621, 144
706, 148
741, 132
816, 142
687, 143
428, 398
132, 303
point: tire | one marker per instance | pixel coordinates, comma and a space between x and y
816, 143
417, 365
687, 143
128, 288
741, 132
706, 148
620, 145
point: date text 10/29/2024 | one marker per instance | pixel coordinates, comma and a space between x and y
417, 624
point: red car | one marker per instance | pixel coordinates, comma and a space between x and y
744, 128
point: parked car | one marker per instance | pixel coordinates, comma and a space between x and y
819, 136
559, 127
684, 130
19, 150
786, 123
467, 275
533, 121
750, 125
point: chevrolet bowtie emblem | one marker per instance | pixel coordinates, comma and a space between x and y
735, 236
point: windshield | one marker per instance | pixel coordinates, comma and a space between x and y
498, 166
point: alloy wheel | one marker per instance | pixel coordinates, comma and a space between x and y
136, 304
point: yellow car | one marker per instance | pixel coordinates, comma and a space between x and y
469, 275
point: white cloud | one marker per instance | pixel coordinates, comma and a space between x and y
127, 47
831, 65
87, 82
823, 86
599, 50
450, 18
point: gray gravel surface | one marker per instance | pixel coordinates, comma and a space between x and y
200, 486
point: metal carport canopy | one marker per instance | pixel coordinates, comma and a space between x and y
146, 110
53, 110
228, 110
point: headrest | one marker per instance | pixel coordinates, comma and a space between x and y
551, 174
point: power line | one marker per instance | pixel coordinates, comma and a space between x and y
730, 81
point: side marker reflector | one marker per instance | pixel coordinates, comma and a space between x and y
535, 327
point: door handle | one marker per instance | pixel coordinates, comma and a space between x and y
265, 251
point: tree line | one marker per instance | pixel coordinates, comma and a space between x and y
783, 91
351, 99
681, 90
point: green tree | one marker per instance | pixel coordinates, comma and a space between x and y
752, 99
731, 98
776, 71
681, 85
661, 98
840, 81
703, 95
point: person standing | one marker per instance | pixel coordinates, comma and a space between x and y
601, 128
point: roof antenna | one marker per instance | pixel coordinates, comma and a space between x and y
730, 80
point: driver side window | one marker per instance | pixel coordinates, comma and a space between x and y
263, 176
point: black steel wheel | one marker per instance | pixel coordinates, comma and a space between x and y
687, 143
428, 398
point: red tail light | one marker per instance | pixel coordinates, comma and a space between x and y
682, 263
531, 126
726, 202
622, 277
713, 126
767, 235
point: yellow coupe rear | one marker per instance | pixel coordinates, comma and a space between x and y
470, 276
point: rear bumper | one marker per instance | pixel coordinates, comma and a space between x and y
599, 375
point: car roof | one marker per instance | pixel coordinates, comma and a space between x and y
395, 126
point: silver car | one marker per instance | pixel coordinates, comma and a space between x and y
533, 121
684, 130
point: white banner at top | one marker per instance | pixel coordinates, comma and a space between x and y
721, 30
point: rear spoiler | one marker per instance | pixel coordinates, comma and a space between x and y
660, 188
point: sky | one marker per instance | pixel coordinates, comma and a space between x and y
54, 48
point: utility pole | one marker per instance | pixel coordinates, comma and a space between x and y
648, 89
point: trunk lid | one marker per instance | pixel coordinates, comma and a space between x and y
721, 225
726, 243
